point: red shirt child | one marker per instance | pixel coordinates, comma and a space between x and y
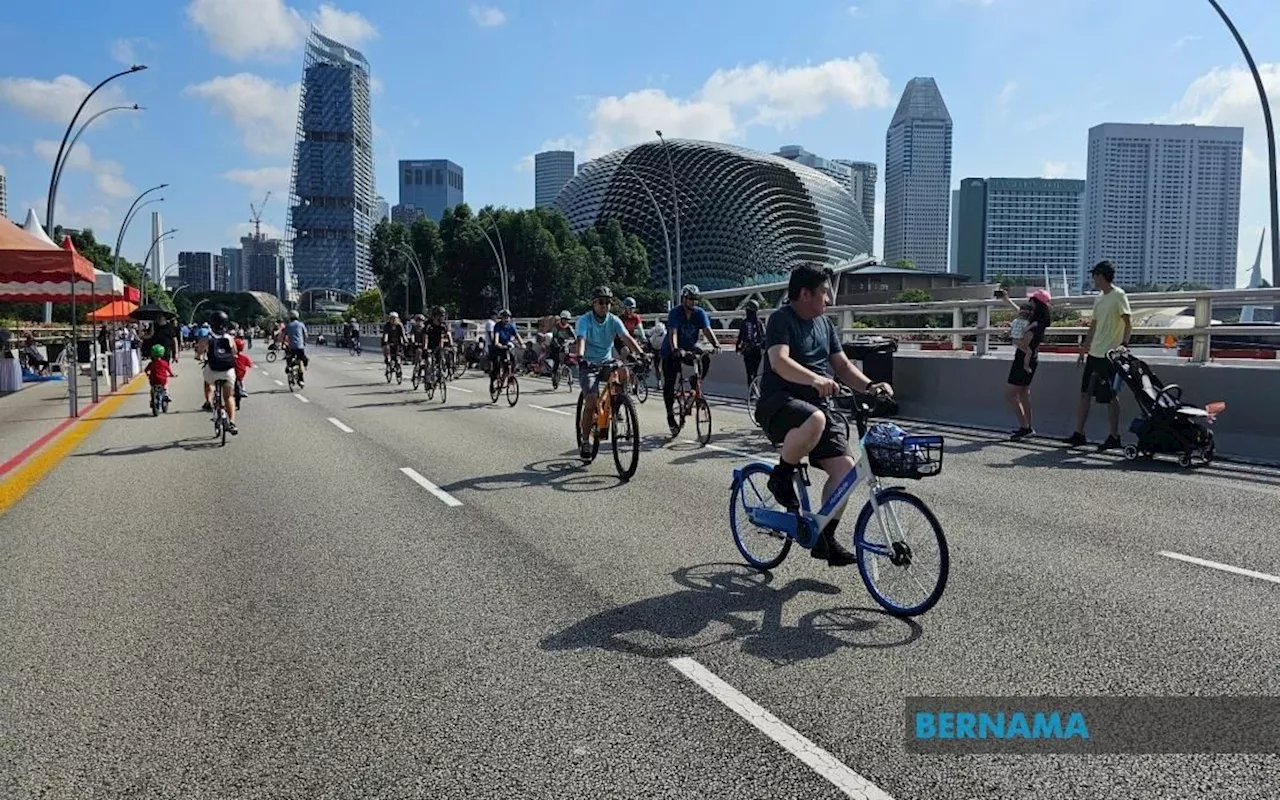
159, 372
243, 362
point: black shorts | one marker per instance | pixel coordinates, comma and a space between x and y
780, 413
1098, 379
1020, 374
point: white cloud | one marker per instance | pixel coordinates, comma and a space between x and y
266, 112
729, 102
852, 11
1230, 97
242, 29
1055, 169
125, 50
487, 16
375, 85
266, 179
1006, 94
57, 100
1184, 41
108, 175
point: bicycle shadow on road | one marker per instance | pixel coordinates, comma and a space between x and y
563, 474
724, 596
190, 444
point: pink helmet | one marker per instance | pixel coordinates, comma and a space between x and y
1043, 296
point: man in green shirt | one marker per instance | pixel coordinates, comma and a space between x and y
1110, 328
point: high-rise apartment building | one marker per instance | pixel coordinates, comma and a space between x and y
917, 178
332, 200
1019, 228
262, 262
233, 264
384, 210
428, 188
4, 194
201, 272
1163, 203
863, 189
552, 169
837, 171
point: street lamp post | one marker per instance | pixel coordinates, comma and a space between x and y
671, 289
128, 217
675, 199
57, 162
502, 267
57, 178
1271, 138
422, 281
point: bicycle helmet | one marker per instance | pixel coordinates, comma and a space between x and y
752, 305
218, 322
293, 315
565, 315
394, 315
504, 313
157, 351
602, 291
438, 311
689, 290
630, 302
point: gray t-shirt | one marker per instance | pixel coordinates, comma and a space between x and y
812, 343
297, 332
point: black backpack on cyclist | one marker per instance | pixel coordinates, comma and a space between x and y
222, 353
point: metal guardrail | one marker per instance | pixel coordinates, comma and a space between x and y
1201, 333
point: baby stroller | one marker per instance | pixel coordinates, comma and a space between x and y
1167, 424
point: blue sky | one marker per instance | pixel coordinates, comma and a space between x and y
490, 83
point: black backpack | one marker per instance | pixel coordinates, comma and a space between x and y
222, 354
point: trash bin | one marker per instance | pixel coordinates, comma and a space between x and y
875, 354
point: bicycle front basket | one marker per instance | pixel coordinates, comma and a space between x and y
911, 457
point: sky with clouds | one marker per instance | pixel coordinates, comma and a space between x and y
488, 84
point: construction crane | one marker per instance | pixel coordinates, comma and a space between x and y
256, 217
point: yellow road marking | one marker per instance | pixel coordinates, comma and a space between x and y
22, 479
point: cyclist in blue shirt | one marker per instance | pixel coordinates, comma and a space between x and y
596, 331
504, 333
296, 337
684, 323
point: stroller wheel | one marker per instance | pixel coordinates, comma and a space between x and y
1206, 453
1184, 460
1130, 452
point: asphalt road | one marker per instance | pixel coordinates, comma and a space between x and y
293, 616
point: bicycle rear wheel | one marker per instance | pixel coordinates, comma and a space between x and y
753, 398
624, 430
762, 547
702, 420
896, 558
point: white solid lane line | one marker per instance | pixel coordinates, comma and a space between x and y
552, 410
338, 424
460, 389
301, 398
279, 383
791, 740
1248, 573
444, 496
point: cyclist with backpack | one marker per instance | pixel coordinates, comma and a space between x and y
221, 366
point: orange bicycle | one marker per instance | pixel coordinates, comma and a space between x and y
615, 417
689, 399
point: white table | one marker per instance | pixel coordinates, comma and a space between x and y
10, 372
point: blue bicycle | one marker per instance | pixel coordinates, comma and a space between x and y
887, 555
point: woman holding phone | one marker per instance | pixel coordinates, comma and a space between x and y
1026, 333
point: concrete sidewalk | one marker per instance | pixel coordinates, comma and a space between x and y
38, 409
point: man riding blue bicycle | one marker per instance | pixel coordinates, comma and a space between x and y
804, 357
500, 347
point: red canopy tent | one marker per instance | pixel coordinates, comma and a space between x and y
24, 259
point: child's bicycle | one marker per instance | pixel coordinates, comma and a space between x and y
764, 531
159, 399
293, 371
220, 418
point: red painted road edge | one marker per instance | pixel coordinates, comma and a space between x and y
27, 451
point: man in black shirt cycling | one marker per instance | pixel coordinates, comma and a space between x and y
393, 337
436, 337
804, 356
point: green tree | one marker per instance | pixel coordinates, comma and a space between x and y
905, 263
367, 307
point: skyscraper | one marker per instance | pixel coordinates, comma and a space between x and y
1163, 203
200, 272
1019, 228
863, 189
233, 261
428, 188
551, 171
333, 200
917, 178
4, 194
384, 210
157, 252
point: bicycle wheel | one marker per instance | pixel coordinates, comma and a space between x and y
414, 380
702, 420
624, 431
495, 389
762, 547
399, 374
444, 387
513, 390
641, 389
753, 398
271, 357
388, 372
555, 379
577, 430
885, 560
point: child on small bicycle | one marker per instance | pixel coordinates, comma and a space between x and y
159, 370
243, 365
